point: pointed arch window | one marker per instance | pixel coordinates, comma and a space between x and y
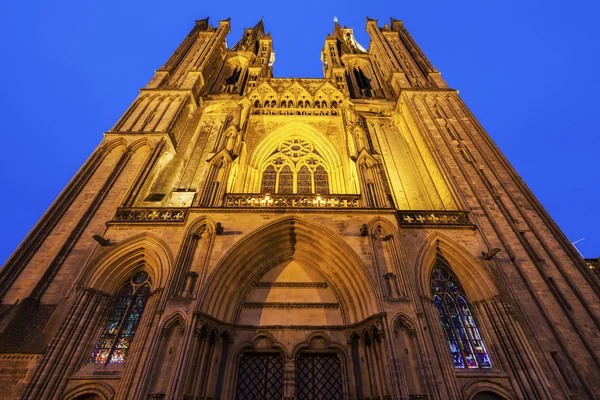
295, 167
286, 180
268, 181
125, 314
321, 180
304, 184
462, 335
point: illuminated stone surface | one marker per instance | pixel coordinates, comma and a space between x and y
288, 230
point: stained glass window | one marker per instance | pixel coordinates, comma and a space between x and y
321, 180
463, 338
124, 317
268, 180
286, 180
476, 341
295, 167
304, 184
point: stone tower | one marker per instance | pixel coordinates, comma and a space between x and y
239, 236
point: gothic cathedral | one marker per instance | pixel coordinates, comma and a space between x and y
240, 236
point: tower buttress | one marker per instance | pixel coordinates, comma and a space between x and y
195, 61
401, 62
349, 64
249, 60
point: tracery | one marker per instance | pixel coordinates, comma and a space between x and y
128, 307
462, 335
295, 167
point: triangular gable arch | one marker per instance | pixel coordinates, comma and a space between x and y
263, 92
298, 92
330, 93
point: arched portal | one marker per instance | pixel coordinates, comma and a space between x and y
487, 396
315, 150
291, 249
291, 294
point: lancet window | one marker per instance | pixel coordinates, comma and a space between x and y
295, 167
269, 180
462, 335
362, 81
304, 180
125, 314
286, 180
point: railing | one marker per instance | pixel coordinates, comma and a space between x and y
448, 218
150, 214
292, 201
407, 219
295, 111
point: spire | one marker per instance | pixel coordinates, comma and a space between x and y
259, 28
251, 37
345, 35
337, 29
202, 24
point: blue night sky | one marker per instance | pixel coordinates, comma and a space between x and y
525, 68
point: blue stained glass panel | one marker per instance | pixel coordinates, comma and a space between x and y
458, 320
453, 287
440, 274
462, 334
482, 356
438, 287
140, 277
450, 338
125, 315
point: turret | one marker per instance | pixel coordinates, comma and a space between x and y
250, 59
348, 63
401, 62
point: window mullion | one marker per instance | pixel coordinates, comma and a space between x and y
467, 329
295, 181
121, 325
456, 334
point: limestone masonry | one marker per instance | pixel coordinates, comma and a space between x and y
240, 236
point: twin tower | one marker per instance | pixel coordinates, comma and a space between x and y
240, 236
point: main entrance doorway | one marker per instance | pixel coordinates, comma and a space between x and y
260, 377
319, 377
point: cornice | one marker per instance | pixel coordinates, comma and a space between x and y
283, 305
290, 284
229, 325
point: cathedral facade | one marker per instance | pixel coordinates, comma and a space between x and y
240, 236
